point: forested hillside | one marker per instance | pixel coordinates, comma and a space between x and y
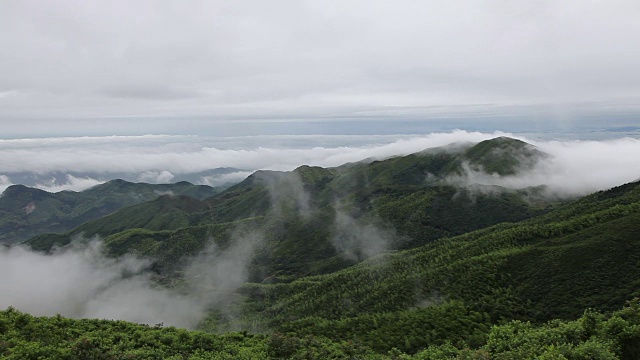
27, 212
581, 255
316, 220
592, 336
385, 259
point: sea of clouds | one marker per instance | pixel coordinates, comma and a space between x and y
575, 166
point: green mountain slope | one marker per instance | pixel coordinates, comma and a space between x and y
381, 260
581, 255
503, 156
317, 220
26, 212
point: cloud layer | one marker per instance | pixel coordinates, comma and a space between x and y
312, 59
576, 167
81, 282
72, 184
190, 154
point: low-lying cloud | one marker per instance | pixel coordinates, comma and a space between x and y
221, 270
287, 190
5, 182
191, 154
156, 177
224, 179
72, 184
53, 185
574, 166
81, 282
358, 240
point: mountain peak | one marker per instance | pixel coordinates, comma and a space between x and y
17, 190
503, 155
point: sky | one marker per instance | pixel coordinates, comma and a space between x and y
76, 68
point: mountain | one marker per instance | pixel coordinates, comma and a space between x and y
381, 259
561, 285
583, 254
217, 177
318, 220
503, 156
26, 212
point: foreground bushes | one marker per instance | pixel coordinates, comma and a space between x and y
593, 336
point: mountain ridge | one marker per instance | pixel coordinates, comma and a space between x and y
26, 212
318, 220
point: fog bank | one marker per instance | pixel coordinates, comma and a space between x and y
575, 166
81, 282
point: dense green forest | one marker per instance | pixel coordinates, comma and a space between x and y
384, 259
581, 255
592, 336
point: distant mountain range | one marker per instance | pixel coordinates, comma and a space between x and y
26, 212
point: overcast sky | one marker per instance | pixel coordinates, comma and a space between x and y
116, 63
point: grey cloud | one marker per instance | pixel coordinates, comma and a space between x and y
80, 282
72, 184
149, 93
574, 168
5, 182
223, 179
358, 240
248, 58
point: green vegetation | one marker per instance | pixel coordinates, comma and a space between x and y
444, 297
581, 255
462, 272
592, 336
406, 199
503, 156
26, 212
